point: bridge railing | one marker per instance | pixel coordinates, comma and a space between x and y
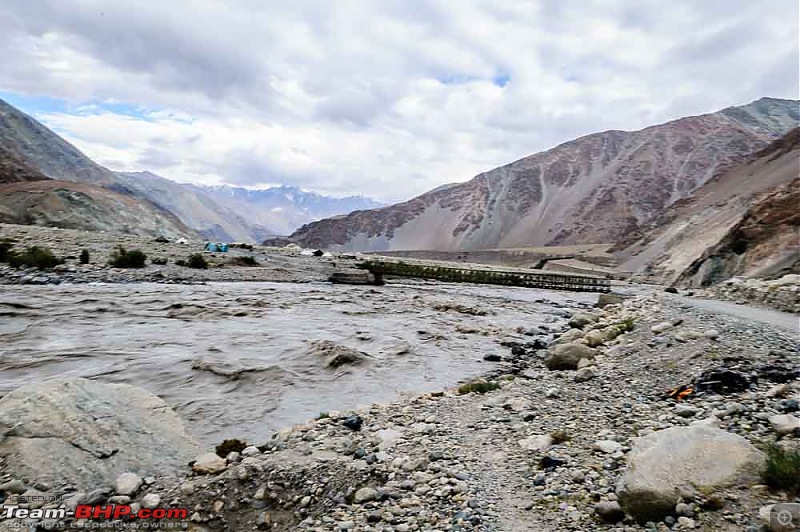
538, 279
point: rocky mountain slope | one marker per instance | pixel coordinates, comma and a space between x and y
742, 222
45, 150
71, 205
598, 188
283, 209
14, 168
44, 180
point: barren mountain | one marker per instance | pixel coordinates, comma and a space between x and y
14, 168
212, 219
742, 222
72, 205
43, 149
598, 188
47, 181
283, 209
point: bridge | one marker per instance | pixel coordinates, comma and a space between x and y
487, 275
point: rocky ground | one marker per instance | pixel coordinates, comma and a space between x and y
578, 435
782, 294
274, 264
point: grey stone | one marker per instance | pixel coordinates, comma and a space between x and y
86, 433
686, 410
250, 451
209, 464
609, 511
580, 320
585, 374
661, 327
127, 484
150, 501
567, 356
365, 495
665, 464
784, 424
536, 443
607, 446
15, 486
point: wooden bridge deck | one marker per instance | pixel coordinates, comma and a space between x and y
488, 275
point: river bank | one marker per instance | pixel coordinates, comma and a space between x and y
541, 449
267, 264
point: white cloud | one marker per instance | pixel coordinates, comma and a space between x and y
386, 98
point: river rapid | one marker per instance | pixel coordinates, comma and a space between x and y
239, 359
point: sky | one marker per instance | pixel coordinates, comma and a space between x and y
381, 98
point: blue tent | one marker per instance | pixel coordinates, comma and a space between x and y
210, 246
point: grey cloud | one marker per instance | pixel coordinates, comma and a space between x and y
364, 75
157, 159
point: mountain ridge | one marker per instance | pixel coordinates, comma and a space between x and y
29, 151
48, 181
596, 188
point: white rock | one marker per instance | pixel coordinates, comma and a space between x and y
250, 451
209, 464
536, 443
607, 446
594, 338
779, 390
127, 484
784, 424
552, 393
150, 501
388, 437
662, 327
567, 356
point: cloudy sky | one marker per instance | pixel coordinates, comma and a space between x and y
383, 98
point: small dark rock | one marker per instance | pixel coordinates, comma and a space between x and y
435, 456
518, 351
549, 462
491, 357
721, 381
538, 343
353, 423
671, 290
790, 405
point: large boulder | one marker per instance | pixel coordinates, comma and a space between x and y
86, 433
567, 356
680, 461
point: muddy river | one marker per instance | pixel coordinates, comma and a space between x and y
242, 359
